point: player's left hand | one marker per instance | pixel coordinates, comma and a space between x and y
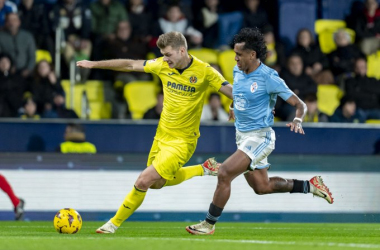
296, 126
231, 115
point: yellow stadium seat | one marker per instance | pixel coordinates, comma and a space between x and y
141, 96
328, 98
326, 28
94, 91
328, 24
78, 94
43, 55
100, 110
226, 61
206, 55
373, 65
373, 121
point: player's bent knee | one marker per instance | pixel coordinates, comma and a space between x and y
142, 184
157, 186
224, 176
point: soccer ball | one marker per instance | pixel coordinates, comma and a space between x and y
67, 221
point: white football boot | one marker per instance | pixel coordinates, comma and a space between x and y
211, 167
108, 228
318, 188
202, 228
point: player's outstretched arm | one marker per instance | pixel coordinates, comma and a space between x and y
296, 124
226, 90
116, 65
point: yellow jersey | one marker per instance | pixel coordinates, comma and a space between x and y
184, 94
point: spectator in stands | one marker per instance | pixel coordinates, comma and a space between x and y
75, 20
313, 114
75, 141
207, 22
253, 15
17, 202
58, 109
313, 59
19, 44
12, 87
34, 19
342, 59
364, 90
213, 111
43, 85
275, 50
155, 112
367, 27
296, 79
6, 7
106, 14
175, 20
347, 112
125, 47
29, 109
300, 83
141, 20
356, 10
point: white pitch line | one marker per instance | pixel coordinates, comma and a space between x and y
259, 242
222, 227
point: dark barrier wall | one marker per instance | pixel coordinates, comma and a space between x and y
130, 136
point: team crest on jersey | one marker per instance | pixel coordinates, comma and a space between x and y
193, 79
254, 87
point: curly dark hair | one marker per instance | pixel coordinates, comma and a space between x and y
253, 39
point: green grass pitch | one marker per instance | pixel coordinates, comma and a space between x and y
172, 236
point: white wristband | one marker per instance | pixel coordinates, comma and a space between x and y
231, 108
297, 119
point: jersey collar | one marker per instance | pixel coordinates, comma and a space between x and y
180, 71
256, 70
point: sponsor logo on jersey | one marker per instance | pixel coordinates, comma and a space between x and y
182, 87
193, 79
254, 87
240, 102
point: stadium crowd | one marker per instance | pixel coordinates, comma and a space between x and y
108, 29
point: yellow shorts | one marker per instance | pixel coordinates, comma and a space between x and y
168, 154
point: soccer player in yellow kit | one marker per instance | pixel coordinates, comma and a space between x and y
185, 80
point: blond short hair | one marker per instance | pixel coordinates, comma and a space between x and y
173, 38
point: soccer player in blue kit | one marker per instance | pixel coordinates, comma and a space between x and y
255, 90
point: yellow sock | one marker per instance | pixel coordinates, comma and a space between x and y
131, 202
184, 174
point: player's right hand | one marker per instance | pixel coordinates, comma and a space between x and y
85, 64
